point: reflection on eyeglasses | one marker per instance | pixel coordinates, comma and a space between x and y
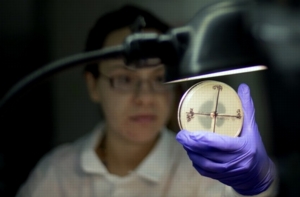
129, 83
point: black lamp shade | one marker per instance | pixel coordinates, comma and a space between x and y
214, 41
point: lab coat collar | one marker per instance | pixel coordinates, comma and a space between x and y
89, 160
148, 169
158, 161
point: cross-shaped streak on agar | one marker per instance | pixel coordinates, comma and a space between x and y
191, 114
214, 114
238, 116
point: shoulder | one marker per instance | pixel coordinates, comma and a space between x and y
54, 165
63, 158
68, 155
58, 169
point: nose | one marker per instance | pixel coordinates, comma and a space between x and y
144, 93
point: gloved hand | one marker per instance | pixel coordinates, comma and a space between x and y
240, 162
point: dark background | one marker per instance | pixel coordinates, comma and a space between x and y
57, 110
26, 129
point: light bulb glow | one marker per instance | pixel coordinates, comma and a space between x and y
222, 73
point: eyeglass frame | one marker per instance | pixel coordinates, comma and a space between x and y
112, 83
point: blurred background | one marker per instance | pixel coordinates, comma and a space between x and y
34, 33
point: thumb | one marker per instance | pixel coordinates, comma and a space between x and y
248, 107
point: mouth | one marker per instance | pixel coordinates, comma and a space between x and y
143, 118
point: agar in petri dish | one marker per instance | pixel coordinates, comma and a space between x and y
211, 106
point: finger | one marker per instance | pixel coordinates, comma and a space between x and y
248, 107
213, 164
226, 176
209, 143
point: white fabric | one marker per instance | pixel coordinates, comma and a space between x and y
74, 170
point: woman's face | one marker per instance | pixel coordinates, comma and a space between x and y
136, 115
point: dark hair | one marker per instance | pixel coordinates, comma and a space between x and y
123, 17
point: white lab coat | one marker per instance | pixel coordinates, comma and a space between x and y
74, 170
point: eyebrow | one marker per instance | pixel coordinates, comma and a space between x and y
123, 67
156, 68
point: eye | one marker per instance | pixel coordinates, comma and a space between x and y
160, 79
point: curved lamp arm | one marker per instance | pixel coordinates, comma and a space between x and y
55, 67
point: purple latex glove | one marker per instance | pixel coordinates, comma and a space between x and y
240, 162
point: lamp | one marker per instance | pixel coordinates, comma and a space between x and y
217, 42
214, 43
224, 38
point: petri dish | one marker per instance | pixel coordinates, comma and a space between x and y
211, 106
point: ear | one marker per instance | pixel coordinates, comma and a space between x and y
92, 87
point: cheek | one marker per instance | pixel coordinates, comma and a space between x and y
111, 103
113, 107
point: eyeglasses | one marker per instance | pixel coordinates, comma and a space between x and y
129, 83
